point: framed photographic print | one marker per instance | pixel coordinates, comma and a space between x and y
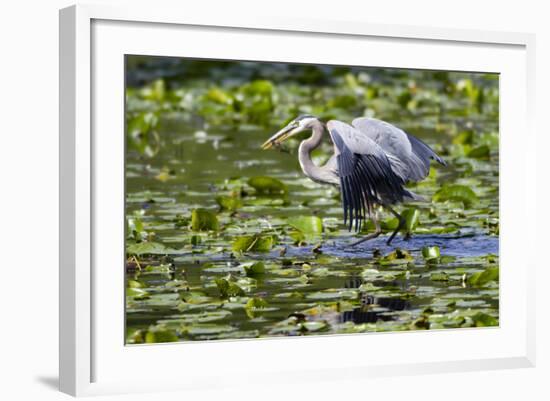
309, 187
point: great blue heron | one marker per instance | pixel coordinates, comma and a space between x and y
372, 162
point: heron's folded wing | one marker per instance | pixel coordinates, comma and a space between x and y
409, 156
366, 176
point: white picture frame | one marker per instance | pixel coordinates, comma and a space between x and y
92, 360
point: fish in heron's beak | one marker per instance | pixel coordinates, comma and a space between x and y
281, 136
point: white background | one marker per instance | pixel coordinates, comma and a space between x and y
28, 201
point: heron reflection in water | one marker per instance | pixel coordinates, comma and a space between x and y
372, 162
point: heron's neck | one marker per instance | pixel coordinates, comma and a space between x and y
304, 153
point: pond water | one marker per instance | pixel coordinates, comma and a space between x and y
226, 241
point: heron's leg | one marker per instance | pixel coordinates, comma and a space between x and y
376, 233
401, 224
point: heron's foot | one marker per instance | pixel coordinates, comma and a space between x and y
366, 238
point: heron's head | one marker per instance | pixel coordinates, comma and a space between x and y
299, 124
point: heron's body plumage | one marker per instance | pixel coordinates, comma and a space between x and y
367, 178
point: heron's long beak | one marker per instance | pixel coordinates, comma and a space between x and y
280, 136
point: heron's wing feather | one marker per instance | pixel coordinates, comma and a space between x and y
424, 151
409, 156
366, 176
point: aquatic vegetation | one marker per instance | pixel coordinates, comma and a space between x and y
224, 241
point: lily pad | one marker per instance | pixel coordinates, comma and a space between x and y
484, 320
484, 277
137, 293
207, 329
253, 243
309, 226
230, 203
412, 219
255, 305
480, 152
148, 248
458, 193
160, 334
431, 253
268, 185
398, 256
204, 220
228, 288
254, 268
439, 276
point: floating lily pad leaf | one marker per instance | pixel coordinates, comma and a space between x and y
158, 269
134, 284
268, 185
484, 320
239, 334
290, 295
333, 295
219, 96
309, 226
458, 193
253, 268
464, 138
165, 175
436, 230
396, 257
471, 304
181, 221
298, 237
246, 283
230, 203
228, 288
204, 220
137, 337
193, 298
207, 329
200, 317
430, 253
156, 90
253, 243
484, 277
256, 302
442, 276
148, 248
412, 218
176, 285
481, 152
255, 305
314, 326
148, 197
160, 334
137, 293
266, 202
261, 87
142, 133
